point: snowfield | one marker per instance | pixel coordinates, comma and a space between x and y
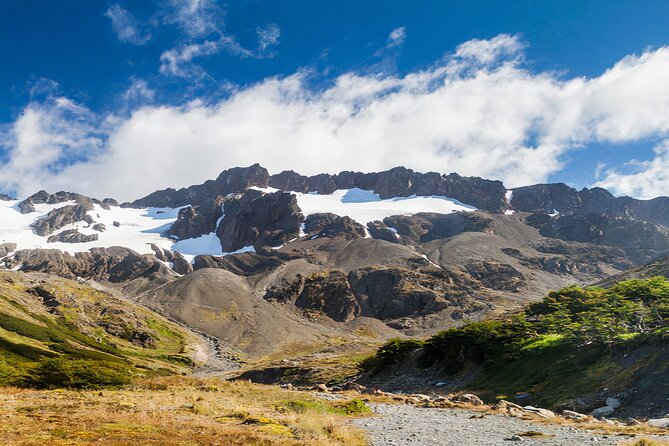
364, 206
137, 229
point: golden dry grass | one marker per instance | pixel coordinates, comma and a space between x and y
172, 411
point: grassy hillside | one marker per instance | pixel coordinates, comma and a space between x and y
59, 333
577, 342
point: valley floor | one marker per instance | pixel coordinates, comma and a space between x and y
406, 425
179, 411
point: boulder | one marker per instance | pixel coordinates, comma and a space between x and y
100, 227
659, 422
543, 413
602, 412
380, 231
469, 398
571, 415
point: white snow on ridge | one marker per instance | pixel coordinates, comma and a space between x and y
137, 228
364, 206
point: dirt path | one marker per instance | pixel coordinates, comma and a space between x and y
400, 425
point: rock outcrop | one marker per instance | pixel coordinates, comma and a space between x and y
43, 197
642, 241
194, 221
230, 181
116, 264
331, 225
61, 217
72, 236
259, 220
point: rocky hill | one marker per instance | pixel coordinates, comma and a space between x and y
55, 332
289, 263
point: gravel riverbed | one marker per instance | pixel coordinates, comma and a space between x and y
400, 425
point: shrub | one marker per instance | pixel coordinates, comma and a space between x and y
77, 374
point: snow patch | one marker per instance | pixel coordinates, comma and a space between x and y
364, 206
508, 195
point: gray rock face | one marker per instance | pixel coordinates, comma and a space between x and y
194, 221
322, 183
115, 264
259, 220
379, 230
332, 225
100, 227
7, 248
61, 217
289, 180
329, 293
545, 198
245, 264
496, 275
642, 241
28, 205
178, 263
230, 181
425, 227
72, 236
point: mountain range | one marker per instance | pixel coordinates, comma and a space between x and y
286, 263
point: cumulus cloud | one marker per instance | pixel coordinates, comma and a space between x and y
44, 139
478, 111
126, 26
643, 179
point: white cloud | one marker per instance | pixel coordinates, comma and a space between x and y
195, 18
139, 92
397, 36
126, 26
268, 36
487, 51
476, 112
643, 179
179, 61
43, 139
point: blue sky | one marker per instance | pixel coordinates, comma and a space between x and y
123, 97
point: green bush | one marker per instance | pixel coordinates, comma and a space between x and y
352, 407
77, 374
390, 353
